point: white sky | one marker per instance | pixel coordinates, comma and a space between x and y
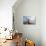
6, 13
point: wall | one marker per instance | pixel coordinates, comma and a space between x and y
29, 8
43, 22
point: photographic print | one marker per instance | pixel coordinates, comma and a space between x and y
29, 20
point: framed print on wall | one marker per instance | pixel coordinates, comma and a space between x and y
29, 20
